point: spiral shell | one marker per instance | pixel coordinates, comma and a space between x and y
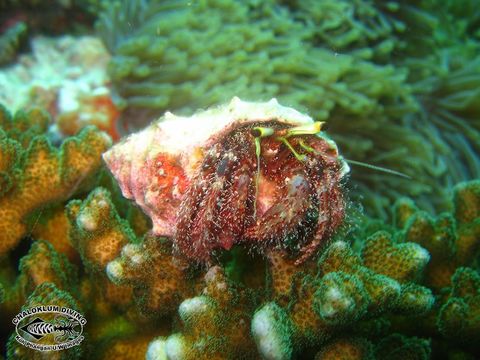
155, 166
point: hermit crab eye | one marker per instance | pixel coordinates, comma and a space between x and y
260, 132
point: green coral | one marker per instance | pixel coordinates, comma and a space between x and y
34, 174
347, 349
392, 347
398, 91
377, 300
452, 238
109, 247
458, 317
42, 264
406, 261
400, 347
212, 322
343, 292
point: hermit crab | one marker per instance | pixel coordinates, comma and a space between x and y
243, 173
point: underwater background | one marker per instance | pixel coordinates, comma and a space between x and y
397, 82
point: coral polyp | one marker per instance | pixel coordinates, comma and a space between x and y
257, 173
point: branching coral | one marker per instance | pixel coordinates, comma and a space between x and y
344, 304
98, 234
53, 226
452, 239
109, 247
42, 264
160, 281
35, 174
458, 317
214, 321
393, 347
395, 86
342, 292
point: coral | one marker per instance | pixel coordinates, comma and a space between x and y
400, 347
348, 303
91, 109
98, 234
42, 264
406, 261
458, 317
343, 291
53, 226
37, 174
398, 91
452, 238
109, 247
347, 349
212, 322
160, 282
306, 306
134, 347
66, 76
311, 305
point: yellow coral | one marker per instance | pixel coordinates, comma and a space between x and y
128, 348
160, 280
403, 262
44, 175
452, 239
215, 324
54, 227
347, 349
42, 264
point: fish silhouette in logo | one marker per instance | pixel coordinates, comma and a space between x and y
62, 328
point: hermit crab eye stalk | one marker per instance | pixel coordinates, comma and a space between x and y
260, 132
308, 129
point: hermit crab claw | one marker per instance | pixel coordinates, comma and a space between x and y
257, 173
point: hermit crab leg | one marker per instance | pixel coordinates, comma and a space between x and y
236, 201
308, 129
195, 210
299, 157
220, 193
330, 206
285, 215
